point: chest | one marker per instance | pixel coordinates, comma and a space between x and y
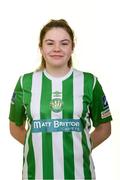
56, 99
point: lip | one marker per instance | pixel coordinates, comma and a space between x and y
56, 56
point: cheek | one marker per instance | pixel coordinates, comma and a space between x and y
69, 52
47, 50
44, 51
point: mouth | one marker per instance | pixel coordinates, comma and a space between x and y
56, 56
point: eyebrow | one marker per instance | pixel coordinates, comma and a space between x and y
53, 40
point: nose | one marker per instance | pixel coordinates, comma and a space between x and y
57, 47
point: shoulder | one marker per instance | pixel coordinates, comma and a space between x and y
30, 75
87, 75
27, 78
88, 78
27, 75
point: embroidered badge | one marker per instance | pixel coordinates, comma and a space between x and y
56, 105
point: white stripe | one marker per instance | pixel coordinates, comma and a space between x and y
78, 155
92, 167
35, 112
26, 150
95, 79
36, 94
57, 138
78, 89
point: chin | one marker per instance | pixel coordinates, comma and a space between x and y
57, 64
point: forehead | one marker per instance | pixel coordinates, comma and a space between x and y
57, 33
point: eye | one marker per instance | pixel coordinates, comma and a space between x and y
49, 43
64, 44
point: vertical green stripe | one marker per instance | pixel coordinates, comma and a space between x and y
86, 98
86, 160
27, 85
31, 159
46, 137
67, 136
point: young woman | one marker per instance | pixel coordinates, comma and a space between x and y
58, 103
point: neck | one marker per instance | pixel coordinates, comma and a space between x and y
57, 71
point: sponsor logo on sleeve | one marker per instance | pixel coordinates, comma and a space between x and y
105, 103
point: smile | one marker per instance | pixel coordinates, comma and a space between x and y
56, 56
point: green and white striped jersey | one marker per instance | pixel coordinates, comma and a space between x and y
59, 112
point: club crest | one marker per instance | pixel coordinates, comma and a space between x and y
56, 105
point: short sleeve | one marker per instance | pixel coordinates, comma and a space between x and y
99, 108
17, 110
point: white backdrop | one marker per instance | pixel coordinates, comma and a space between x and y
97, 28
